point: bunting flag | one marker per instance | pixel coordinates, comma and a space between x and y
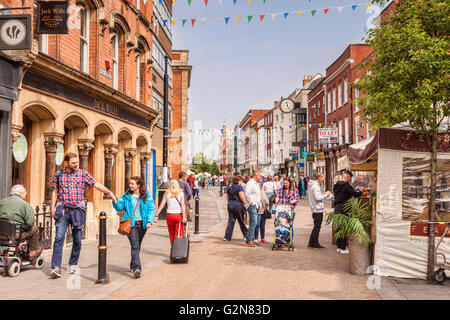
250, 1
339, 9
206, 3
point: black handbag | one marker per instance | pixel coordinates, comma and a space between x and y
267, 214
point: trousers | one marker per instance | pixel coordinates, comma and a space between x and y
314, 237
235, 213
135, 237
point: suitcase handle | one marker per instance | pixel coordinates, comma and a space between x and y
179, 228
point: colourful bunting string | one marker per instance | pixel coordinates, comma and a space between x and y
273, 15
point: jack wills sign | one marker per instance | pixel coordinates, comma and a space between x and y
52, 17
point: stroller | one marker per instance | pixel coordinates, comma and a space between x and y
283, 228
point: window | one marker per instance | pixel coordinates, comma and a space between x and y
339, 103
162, 13
115, 64
368, 130
329, 101
138, 77
159, 58
138, 4
356, 97
345, 90
83, 17
340, 132
347, 129
357, 129
334, 98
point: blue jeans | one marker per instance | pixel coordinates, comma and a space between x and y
270, 194
61, 229
136, 236
196, 193
261, 226
253, 217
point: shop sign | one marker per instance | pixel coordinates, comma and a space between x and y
304, 154
328, 135
310, 158
59, 154
15, 32
320, 156
301, 165
52, 17
20, 149
423, 229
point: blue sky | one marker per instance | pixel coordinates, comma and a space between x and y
250, 65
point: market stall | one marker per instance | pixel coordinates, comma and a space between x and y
401, 162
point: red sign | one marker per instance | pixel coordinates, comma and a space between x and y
422, 229
328, 135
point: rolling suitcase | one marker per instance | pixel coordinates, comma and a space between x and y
179, 253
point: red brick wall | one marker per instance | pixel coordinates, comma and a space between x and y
66, 48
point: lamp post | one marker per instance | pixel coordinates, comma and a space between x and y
165, 177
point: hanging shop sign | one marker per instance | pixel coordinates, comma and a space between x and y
15, 32
320, 156
328, 135
20, 149
52, 17
59, 154
310, 158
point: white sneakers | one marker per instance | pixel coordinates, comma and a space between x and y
342, 251
73, 270
338, 250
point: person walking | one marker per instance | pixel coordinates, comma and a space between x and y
185, 187
235, 207
68, 207
270, 189
261, 222
139, 207
176, 210
315, 198
343, 191
15, 208
302, 187
253, 201
196, 189
277, 184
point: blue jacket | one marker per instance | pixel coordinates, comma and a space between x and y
147, 209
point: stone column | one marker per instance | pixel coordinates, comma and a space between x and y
129, 156
110, 151
51, 143
84, 147
144, 157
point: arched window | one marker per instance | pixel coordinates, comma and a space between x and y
115, 61
83, 17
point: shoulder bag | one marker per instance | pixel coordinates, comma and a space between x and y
125, 225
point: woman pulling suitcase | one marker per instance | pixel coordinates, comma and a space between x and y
176, 210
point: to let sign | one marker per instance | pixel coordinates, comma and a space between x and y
52, 17
328, 135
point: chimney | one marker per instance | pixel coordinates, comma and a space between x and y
307, 79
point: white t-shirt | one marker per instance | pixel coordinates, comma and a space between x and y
268, 187
173, 206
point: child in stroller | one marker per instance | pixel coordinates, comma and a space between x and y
283, 228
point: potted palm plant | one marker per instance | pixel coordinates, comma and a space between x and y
356, 226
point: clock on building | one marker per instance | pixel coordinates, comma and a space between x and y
287, 105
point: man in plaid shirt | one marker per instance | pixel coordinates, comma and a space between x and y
69, 208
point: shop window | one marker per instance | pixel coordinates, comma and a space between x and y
416, 185
115, 64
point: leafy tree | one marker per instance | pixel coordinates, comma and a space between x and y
409, 77
214, 169
200, 164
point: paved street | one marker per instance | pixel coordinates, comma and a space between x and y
216, 269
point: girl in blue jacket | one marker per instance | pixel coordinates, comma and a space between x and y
136, 200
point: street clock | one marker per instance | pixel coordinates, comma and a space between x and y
287, 105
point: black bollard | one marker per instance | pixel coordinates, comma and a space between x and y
221, 190
197, 216
102, 248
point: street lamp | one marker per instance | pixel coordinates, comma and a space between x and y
165, 176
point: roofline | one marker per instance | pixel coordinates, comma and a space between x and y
343, 52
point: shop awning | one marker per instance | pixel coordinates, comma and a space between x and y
393, 139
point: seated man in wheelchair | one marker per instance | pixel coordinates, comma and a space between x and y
16, 209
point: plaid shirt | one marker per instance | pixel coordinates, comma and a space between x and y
286, 198
71, 186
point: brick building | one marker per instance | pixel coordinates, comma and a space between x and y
338, 103
92, 92
181, 83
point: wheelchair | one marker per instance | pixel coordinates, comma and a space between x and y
14, 254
